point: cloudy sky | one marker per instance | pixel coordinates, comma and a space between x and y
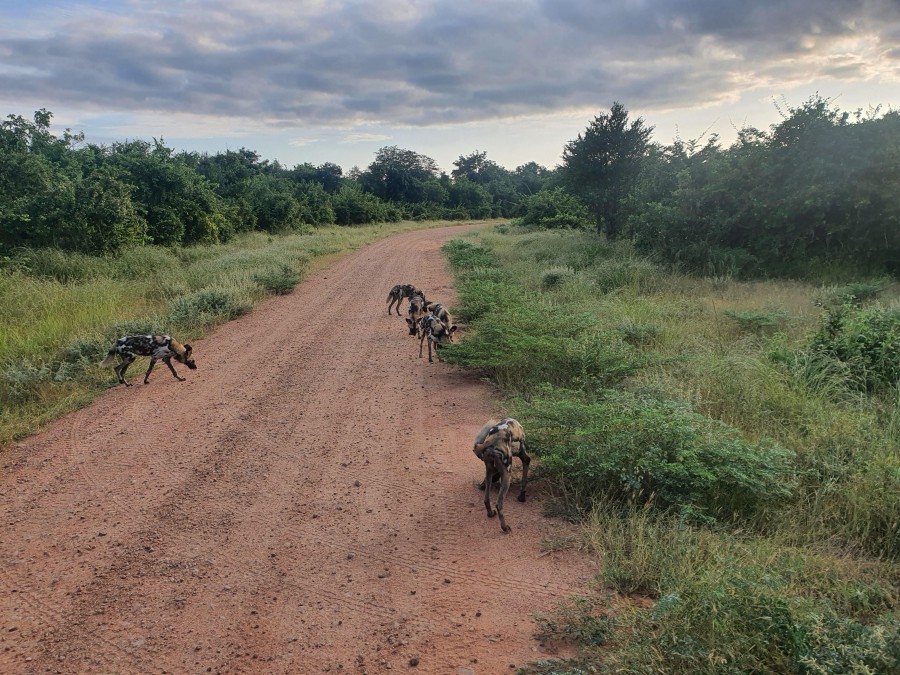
333, 81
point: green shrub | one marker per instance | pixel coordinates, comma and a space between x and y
576, 620
840, 645
634, 449
25, 380
279, 281
639, 334
868, 340
204, 308
637, 273
555, 209
856, 294
85, 350
556, 277
519, 340
758, 322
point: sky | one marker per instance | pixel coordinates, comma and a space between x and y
336, 80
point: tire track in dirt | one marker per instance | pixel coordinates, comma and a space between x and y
305, 500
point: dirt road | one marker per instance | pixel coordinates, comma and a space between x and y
305, 502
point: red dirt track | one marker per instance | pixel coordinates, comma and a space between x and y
304, 503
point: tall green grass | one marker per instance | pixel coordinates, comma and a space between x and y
738, 603
743, 479
61, 311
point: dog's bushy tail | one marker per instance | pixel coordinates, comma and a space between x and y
110, 358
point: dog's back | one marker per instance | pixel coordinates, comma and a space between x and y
157, 346
399, 292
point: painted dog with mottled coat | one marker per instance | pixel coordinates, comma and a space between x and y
435, 331
414, 313
157, 347
496, 444
400, 291
440, 312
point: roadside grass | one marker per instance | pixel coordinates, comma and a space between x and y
62, 311
744, 482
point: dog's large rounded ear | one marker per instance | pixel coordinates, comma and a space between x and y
453, 328
187, 348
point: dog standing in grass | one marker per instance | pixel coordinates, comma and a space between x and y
157, 347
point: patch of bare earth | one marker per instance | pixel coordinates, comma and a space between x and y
305, 502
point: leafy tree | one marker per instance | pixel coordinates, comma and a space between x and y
353, 206
601, 165
315, 204
179, 204
274, 204
328, 175
38, 182
470, 197
530, 178
499, 182
105, 217
476, 167
399, 175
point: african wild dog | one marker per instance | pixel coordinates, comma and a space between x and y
414, 313
496, 444
400, 291
436, 331
440, 312
157, 347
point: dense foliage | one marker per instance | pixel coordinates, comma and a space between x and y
60, 192
816, 191
865, 341
818, 188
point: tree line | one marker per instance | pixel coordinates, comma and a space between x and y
818, 188
58, 191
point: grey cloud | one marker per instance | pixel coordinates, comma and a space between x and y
456, 61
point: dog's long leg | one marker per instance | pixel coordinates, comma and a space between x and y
147, 375
488, 479
168, 361
421, 339
526, 462
504, 488
122, 367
